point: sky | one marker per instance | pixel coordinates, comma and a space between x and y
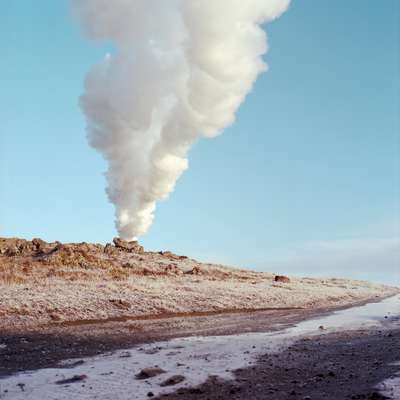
306, 181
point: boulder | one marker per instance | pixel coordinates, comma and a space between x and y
173, 269
130, 247
75, 378
195, 271
147, 373
173, 380
12, 251
281, 278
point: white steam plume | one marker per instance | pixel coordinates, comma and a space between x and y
180, 71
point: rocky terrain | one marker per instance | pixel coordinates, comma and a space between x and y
52, 283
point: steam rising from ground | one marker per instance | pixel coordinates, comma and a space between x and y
180, 71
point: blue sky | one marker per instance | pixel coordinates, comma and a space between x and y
306, 181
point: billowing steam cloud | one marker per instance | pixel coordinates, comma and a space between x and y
180, 71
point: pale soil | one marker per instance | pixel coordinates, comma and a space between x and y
42, 283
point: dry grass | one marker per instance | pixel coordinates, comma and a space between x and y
43, 282
8, 276
118, 274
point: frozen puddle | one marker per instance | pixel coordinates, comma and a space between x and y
112, 376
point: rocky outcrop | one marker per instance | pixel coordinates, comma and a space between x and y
14, 247
38, 247
130, 247
116, 261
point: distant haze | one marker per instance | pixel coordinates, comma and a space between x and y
375, 259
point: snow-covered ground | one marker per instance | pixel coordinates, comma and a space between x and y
112, 376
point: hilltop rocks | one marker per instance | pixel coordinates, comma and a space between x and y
120, 258
38, 247
14, 247
116, 261
130, 247
109, 249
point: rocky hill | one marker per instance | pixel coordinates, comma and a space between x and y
43, 283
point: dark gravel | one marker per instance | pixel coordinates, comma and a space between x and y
338, 366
